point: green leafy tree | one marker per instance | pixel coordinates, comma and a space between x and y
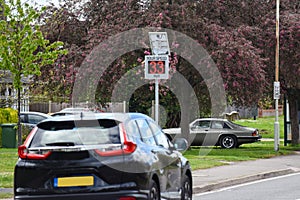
23, 49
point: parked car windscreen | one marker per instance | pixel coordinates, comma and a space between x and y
72, 133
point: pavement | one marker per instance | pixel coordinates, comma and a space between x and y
235, 173
242, 172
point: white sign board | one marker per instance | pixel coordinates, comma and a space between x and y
159, 43
276, 90
156, 67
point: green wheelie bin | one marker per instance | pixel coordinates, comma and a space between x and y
9, 137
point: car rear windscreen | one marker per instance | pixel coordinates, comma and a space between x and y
72, 133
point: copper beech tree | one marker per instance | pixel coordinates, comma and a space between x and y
239, 36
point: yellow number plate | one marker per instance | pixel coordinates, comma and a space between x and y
74, 181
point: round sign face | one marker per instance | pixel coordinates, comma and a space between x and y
157, 67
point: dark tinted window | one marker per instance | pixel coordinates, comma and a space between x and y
70, 133
226, 126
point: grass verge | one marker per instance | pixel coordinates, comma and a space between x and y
8, 158
264, 125
6, 195
207, 157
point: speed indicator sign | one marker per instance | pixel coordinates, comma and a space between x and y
157, 67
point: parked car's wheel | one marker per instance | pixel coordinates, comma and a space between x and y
228, 141
154, 193
186, 189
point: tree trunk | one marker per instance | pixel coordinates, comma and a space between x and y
293, 104
19, 119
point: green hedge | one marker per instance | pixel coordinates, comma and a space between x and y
7, 115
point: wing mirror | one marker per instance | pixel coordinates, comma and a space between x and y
180, 144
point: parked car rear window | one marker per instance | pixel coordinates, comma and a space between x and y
70, 133
202, 124
217, 125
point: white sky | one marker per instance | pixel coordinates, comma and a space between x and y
41, 2
46, 2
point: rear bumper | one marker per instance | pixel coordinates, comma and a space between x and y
243, 140
90, 196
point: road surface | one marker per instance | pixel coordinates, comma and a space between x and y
279, 188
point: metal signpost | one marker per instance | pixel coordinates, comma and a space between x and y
157, 65
276, 124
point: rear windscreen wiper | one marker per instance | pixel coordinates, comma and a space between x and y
63, 144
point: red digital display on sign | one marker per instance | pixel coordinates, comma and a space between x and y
156, 67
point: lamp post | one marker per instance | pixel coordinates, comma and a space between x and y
276, 83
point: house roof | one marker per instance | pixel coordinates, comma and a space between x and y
6, 77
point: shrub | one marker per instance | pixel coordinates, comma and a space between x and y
7, 115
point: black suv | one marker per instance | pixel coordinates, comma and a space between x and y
101, 156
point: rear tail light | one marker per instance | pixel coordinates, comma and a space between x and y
127, 198
255, 133
25, 153
128, 147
